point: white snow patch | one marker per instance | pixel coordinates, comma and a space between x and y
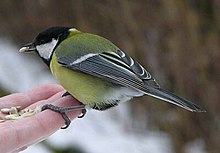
196, 146
108, 132
20, 71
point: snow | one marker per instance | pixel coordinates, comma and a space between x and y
19, 71
98, 132
196, 146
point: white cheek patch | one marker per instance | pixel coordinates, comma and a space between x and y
45, 50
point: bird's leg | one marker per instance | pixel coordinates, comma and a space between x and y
83, 110
62, 111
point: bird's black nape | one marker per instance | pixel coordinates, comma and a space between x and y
52, 33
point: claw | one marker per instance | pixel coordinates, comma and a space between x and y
67, 120
62, 112
83, 113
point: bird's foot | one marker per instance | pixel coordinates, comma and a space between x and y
16, 113
62, 111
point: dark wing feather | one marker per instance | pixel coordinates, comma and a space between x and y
121, 69
106, 69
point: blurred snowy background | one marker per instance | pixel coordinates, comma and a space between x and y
178, 42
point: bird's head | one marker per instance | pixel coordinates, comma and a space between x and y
46, 41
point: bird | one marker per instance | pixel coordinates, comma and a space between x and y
95, 71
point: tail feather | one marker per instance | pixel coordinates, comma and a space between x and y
171, 98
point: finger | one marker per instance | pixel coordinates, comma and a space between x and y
51, 100
31, 96
20, 149
21, 133
43, 92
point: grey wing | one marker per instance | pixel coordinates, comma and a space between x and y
117, 68
121, 69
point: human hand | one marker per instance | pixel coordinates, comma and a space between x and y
19, 134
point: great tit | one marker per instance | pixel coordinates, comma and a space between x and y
95, 71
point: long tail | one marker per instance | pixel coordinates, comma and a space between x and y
173, 99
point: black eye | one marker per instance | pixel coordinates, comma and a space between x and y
41, 41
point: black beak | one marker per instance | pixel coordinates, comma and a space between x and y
28, 48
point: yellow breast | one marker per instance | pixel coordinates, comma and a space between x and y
85, 88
